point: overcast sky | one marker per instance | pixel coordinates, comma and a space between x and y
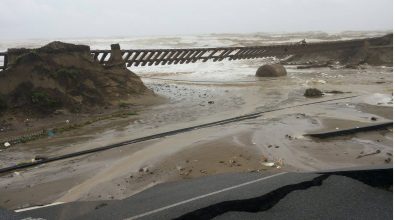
21, 19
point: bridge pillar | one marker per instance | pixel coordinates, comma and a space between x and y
116, 56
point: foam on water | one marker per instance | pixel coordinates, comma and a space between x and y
220, 71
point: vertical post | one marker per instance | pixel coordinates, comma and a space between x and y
174, 56
150, 54
95, 55
199, 55
5, 61
210, 55
188, 56
236, 55
141, 58
158, 53
179, 58
103, 57
136, 54
162, 56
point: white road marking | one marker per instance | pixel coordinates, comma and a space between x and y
38, 207
203, 196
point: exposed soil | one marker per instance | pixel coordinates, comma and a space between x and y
46, 86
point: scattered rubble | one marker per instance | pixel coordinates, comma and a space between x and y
203, 171
369, 154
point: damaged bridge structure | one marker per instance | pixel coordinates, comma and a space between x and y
143, 57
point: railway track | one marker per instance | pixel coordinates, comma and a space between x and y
156, 136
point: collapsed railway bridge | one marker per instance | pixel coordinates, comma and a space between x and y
143, 57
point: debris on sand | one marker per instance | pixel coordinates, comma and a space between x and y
318, 65
289, 137
180, 168
232, 163
50, 133
313, 93
144, 170
7, 144
335, 92
276, 163
39, 157
268, 164
203, 171
369, 154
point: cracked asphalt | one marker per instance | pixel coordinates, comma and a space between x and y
356, 194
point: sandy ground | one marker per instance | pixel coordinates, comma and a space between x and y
245, 146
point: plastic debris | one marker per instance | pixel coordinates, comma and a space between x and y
7, 144
67, 121
50, 133
179, 168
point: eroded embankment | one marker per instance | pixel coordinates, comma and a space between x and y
375, 51
46, 87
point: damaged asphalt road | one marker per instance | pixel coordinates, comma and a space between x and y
355, 194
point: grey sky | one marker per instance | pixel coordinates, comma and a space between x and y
106, 18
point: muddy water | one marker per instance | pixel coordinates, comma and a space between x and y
233, 90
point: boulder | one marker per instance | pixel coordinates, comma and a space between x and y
313, 93
271, 70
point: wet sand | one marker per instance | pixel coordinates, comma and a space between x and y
245, 146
